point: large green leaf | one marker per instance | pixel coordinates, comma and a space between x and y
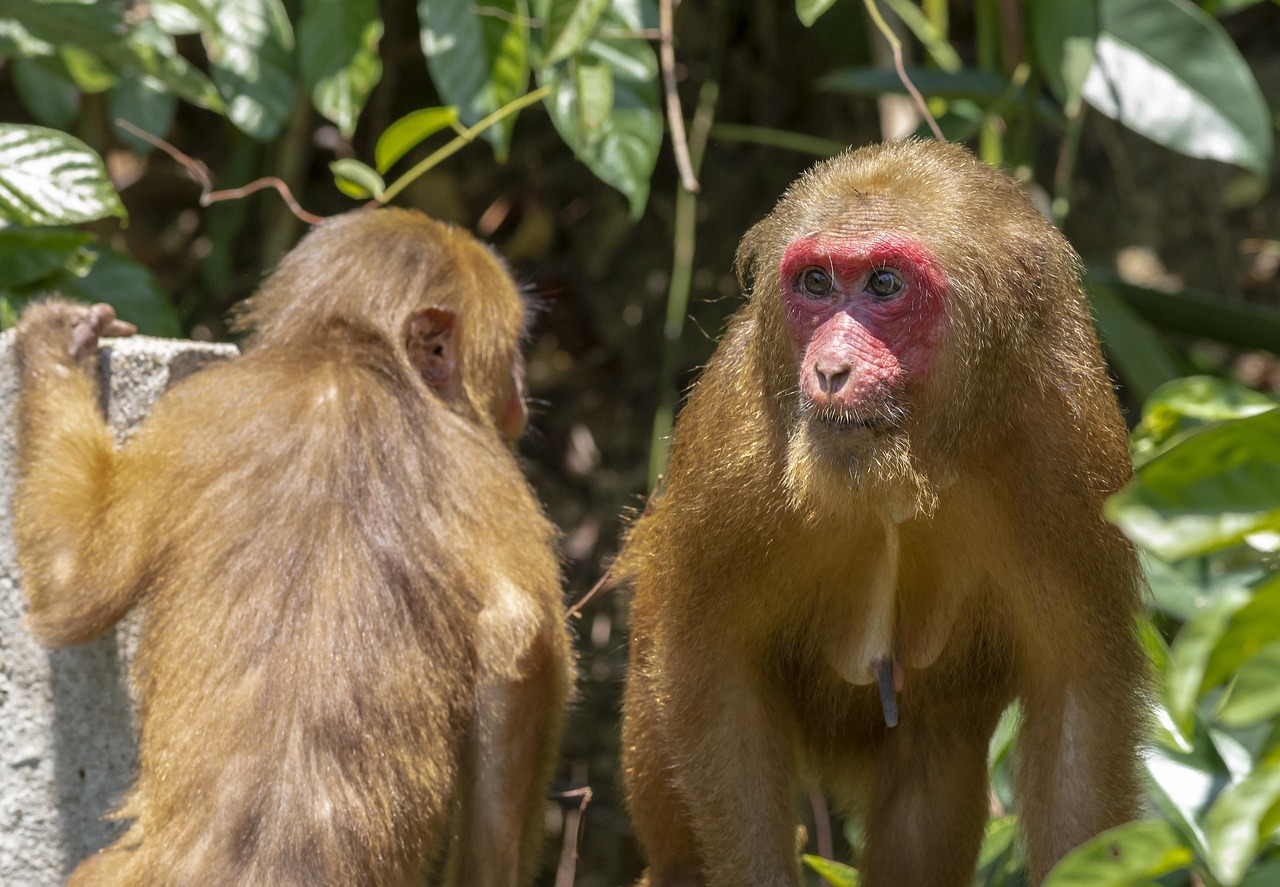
1063, 36
479, 58
1190, 654
29, 255
604, 100
338, 54
1252, 627
1140, 356
129, 287
1168, 70
46, 90
1207, 492
1130, 854
146, 103
1185, 404
1255, 693
250, 49
1239, 822
50, 178
810, 11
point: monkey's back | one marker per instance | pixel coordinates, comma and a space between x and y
307, 670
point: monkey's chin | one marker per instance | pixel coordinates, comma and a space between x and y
843, 468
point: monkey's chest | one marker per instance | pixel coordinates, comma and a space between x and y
890, 601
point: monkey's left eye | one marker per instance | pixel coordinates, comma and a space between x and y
883, 283
816, 282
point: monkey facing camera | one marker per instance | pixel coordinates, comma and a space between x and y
353, 665
883, 524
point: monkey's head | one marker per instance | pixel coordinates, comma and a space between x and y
903, 295
444, 298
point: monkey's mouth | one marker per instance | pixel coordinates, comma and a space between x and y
838, 420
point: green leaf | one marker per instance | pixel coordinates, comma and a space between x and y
579, 26
1168, 70
250, 49
1063, 36
834, 873
46, 90
29, 255
356, 179
967, 83
1255, 693
1252, 627
811, 10
50, 178
1000, 835
623, 148
479, 59
146, 103
1183, 405
338, 49
595, 98
152, 51
1139, 355
1189, 656
1130, 854
128, 287
1236, 826
1206, 492
410, 131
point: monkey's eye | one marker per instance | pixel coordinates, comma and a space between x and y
883, 283
816, 282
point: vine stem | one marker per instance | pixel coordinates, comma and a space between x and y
896, 45
464, 138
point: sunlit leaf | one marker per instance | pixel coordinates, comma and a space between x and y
1206, 492
1252, 627
409, 131
250, 49
50, 178
1255, 692
1189, 655
1130, 854
623, 148
1168, 70
577, 28
478, 58
834, 873
1234, 826
338, 54
356, 179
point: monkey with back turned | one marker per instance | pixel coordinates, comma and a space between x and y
353, 664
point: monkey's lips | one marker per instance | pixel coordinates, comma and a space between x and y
847, 420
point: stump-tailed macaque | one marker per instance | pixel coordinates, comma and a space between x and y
885, 492
353, 656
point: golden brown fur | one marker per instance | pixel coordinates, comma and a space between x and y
353, 631
972, 528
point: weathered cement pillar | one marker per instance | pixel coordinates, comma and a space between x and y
67, 747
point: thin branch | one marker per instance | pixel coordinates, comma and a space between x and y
567, 870
200, 173
667, 57
896, 45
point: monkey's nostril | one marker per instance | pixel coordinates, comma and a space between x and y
831, 381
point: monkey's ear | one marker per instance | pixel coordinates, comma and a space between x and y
428, 340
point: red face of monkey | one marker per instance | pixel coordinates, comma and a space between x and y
865, 316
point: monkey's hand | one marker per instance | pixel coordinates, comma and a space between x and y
59, 333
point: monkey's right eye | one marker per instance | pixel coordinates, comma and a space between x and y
816, 282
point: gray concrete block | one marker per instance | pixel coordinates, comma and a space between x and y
67, 742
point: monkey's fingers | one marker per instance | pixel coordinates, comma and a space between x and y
97, 321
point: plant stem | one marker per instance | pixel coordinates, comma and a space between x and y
463, 139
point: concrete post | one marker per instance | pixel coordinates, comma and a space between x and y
67, 745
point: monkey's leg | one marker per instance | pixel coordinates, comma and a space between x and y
924, 824
522, 687
1078, 763
724, 736
75, 547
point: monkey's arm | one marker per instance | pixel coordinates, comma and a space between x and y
76, 581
